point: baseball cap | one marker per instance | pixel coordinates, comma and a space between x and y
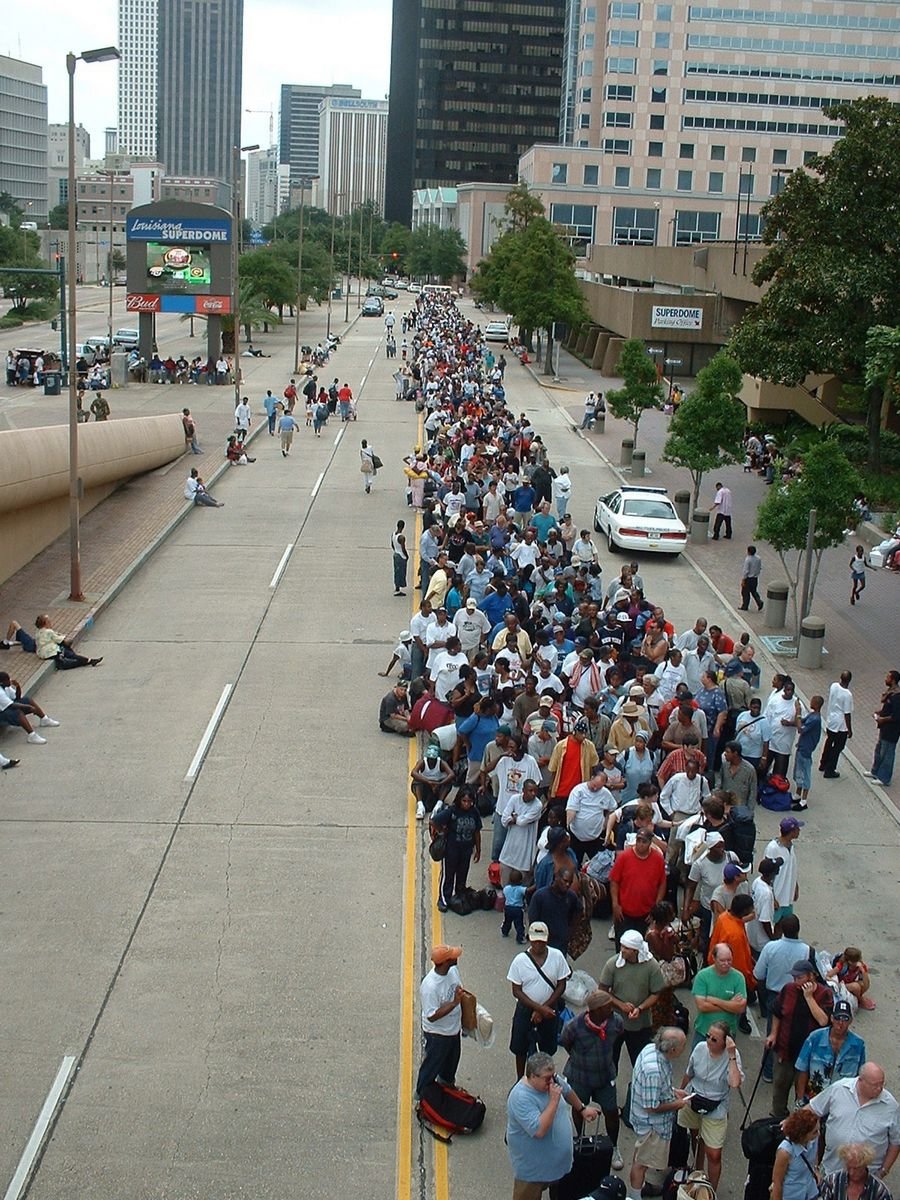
789, 824
471, 603
842, 1011
538, 932
405, 635
505, 729
636, 689
442, 954
731, 872
714, 839
581, 726
545, 702
803, 967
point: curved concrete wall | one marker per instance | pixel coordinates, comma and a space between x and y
34, 475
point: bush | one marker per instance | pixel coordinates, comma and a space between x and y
854, 441
11, 322
881, 490
41, 310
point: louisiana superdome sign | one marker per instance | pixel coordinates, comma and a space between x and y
177, 229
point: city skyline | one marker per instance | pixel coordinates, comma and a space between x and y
44, 35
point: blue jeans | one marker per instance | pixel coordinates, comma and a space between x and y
400, 564
883, 762
271, 417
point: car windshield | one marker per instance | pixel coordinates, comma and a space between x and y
656, 509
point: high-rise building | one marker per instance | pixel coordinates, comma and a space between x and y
138, 78
58, 159
111, 140
469, 92
23, 136
268, 186
298, 143
199, 100
352, 143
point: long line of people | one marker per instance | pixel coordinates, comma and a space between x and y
614, 765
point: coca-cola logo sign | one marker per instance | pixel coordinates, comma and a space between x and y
140, 302
214, 304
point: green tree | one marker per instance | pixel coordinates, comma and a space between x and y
395, 240
59, 216
435, 253
522, 207
25, 289
829, 484
832, 268
642, 388
883, 366
707, 430
13, 210
269, 278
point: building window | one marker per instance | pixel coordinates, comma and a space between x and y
717, 153
655, 149
654, 177
622, 37
716, 181
750, 227
620, 91
660, 66
589, 16
559, 173
577, 222
658, 95
657, 121
684, 181
616, 145
587, 41
776, 183
686, 150
591, 175
624, 10
779, 158
618, 120
809, 156
690, 228
622, 178
663, 12
621, 66
634, 226
662, 41
745, 184
748, 154
586, 95
584, 121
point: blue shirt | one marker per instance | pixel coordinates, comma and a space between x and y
810, 732
514, 895
523, 498
776, 959
479, 730
543, 523
494, 606
269, 404
534, 1159
799, 1181
817, 1059
477, 583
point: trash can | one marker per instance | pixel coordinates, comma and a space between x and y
812, 643
627, 451
52, 382
700, 527
638, 464
682, 502
775, 612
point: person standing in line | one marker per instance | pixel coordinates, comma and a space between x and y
887, 719
287, 427
190, 431
590, 411
400, 557
838, 725
750, 573
562, 491
100, 407
441, 993
794, 1174
654, 1102
784, 715
722, 507
713, 1071
808, 739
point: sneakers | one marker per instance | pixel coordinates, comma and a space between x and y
49, 723
9, 764
867, 774
36, 739
617, 1161
799, 806
611, 934
420, 811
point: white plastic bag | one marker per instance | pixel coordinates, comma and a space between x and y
578, 988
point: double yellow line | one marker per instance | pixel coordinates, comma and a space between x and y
409, 1042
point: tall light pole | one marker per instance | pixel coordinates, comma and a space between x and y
349, 251
237, 151
337, 196
28, 204
305, 182
359, 272
109, 268
104, 54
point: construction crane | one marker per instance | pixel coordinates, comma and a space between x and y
266, 112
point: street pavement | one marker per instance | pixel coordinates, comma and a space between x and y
230, 945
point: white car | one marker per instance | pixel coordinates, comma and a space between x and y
496, 331
640, 518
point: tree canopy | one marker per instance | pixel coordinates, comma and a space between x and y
707, 429
832, 267
641, 390
434, 253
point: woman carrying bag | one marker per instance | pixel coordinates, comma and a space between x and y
369, 462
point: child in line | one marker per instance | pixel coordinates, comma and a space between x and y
848, 968
514, 907
808, 739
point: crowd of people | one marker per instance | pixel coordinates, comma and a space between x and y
607, 765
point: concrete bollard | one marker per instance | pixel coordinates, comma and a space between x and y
599, 425
627, 451
700, 527
775, 612
682, 502
812, 643
638, 464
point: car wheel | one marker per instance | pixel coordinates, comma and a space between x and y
611, 545
597, 528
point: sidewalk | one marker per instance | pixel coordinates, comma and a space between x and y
855, 637
121, 533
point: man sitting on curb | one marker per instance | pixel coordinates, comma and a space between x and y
16, 708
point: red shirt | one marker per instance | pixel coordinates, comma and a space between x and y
639, 880
570, 771
722, 644
430, 714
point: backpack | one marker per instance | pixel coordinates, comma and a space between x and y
740, 834
451, 1109
774, 799
760, 1139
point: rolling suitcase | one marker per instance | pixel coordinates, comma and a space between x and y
759, 1143
592, 1159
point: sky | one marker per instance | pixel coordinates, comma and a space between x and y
285, 41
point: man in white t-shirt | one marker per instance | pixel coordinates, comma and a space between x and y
786, 886
538, 976
472, 627
587, 814
762, 928
440, 993
445, 671
436, 638
838, 725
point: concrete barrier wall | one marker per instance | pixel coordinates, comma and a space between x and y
34, 475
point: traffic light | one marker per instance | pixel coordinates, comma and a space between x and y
395, 254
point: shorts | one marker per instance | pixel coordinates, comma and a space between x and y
650, 1150
803, 771
603, 1093
783, 910
11, 715
525, 1033
711, 1129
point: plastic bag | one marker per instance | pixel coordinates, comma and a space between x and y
578, 988
483, 1033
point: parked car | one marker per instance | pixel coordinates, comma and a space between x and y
373, 306
125, 339
85, 351
496, 331
100, 342
640, 518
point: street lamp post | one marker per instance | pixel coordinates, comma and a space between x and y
104, 54
337, 196
360, 270
305, 182
237, 151
349, 251
109, 267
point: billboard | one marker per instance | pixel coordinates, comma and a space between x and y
675, 318
177, 269
149, 302
191, 230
